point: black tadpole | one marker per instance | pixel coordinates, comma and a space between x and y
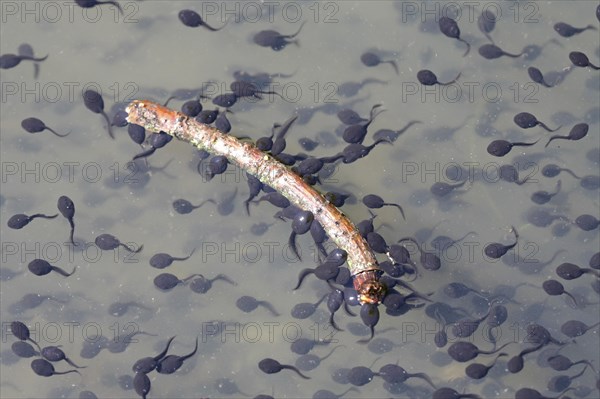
351, 117
529, 393
486, 23
542, 197
335, 299
566, 30
67, 209
371, 59
167, 281
552, 170
162, 260
500, 148
94, 102
526, 120
579, 59
24, 349
94, 3
55, 354
428, 78
394, 374
576, 328
242, 88
35, 125
201, 285
222, 122
274, 39
325, 272
587, 222
107, 242
172, 363
309, 166
120, 119
21, 331
577, 132
478, 371
191, 108
510, 174
562, 363
369, 314
192, 19
356, 133
464, 351
570, 271
561, 383
377, 243
225, 100
272, 366
441, 189
355, 151
392, 135
361, 375
429, 260
496, 250
21, 220
457, 290
373, 201
136, 133
183, 207
539, 335
141, 384
304, 345
207, 116
248, 304
536, 75
305, 310
449, 393
8, 61
491, 52
44, 368
40, 267
156, 140
450, 28
300, 225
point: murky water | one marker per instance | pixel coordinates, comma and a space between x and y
147, 53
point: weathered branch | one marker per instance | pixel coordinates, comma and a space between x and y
361, 260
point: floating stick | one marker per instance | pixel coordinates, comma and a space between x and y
361, 260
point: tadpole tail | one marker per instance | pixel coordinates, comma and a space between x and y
302, 276
66, 372
41, 215
131, 249
283, 366
367, 340
73, 364
108, 125
63, 272
71, 236
554, 138
332, 322
468, 46
545, 127
292, 244
145, 153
